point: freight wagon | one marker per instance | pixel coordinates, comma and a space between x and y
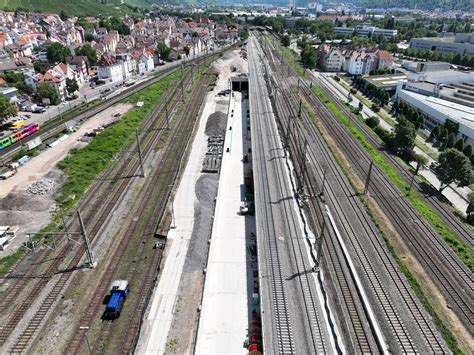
118, 293
19, 135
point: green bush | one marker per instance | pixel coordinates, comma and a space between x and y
372, 121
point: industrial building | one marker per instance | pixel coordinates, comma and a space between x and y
461, 43
441, 102
365, 31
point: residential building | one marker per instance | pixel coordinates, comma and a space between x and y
384, 59
355, 62
129, 64
330, 59
290, 21
58, 82
10, 93
80, 65
109, 68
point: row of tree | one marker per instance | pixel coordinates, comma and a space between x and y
453, 166
380, 96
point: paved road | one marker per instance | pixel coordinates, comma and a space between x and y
293, 317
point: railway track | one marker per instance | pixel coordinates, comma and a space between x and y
48, 302
450, 274
100, 199
429, 250
305, 128
155, 199
280, 306
445, 211
296, 249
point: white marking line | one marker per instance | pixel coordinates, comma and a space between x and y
368, 307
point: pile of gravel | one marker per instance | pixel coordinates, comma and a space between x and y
228, 55
41, 187
216, 124
213, 70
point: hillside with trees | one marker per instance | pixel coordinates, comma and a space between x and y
464, 5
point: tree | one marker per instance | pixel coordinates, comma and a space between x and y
435, 133
71, 86
468, 150
114, 23
46, 91
164, 51
451, 140
89, 52
89, 37
309, 56
40, 66
63, 15
443, 135
6, 108
57, 53
453, 166
470, 208
285, 41
372, 121
459, 145
421, 161
405, 134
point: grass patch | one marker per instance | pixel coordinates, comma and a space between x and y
7, 262
463, 251
440, 325
82, 166
291, 57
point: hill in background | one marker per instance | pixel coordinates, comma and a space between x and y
78, 7
465, 5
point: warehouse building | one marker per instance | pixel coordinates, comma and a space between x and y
461, 43
441, 102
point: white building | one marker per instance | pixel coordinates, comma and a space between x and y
438, 108
109, 68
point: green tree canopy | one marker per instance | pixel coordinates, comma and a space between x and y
309, 56
468, 150
114, 23
71, 86
89, 52
459, 145
451, 140
57, 53
40, 66
285, 40
453, 166
470, 208
404, 137
6, 108
164, 51
46, 91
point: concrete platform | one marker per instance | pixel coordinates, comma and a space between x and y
225, 309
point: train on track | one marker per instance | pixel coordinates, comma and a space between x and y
118, 293
19, 135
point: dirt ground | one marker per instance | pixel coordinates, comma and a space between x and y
28, 212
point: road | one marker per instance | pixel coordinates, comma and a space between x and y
294, 318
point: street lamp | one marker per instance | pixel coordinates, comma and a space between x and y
87, 339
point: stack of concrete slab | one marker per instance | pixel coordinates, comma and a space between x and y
213, 158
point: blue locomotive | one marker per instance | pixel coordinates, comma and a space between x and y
118, 294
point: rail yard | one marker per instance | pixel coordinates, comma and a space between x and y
244, 218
